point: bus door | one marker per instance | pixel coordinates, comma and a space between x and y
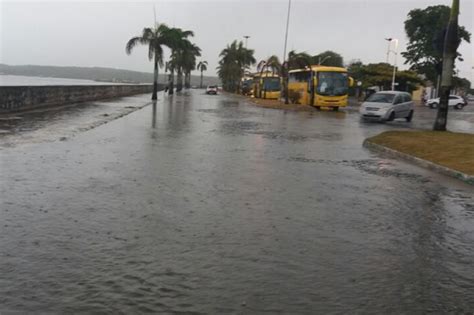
310, 89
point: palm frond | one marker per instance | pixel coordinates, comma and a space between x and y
134, 41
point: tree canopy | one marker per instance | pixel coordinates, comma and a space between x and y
425, 29
235, 58
380, 74
328, 58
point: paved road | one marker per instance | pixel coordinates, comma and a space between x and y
205, 204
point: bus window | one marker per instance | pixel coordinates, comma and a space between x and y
332, 83
271, 84
298, 77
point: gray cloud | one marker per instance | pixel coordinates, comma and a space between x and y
94, 33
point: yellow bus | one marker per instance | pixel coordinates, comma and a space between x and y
319, 86
246, 85
266, 85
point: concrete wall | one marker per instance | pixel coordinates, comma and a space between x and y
17, 98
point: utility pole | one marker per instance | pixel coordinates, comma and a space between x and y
284, 53
388, 47
395, 53
451, 42
394, 64
246, 39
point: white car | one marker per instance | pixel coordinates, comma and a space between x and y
387, 106
454, 100
211, 89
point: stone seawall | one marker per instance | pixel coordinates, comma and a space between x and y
18, 98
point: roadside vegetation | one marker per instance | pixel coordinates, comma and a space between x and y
449, 149
433, 37
183, 54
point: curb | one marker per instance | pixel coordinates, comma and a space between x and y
469, 179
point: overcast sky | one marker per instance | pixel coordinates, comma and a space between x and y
92, 33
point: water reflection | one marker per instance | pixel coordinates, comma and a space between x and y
153, 115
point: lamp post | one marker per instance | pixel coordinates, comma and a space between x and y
395, 53
388, 46
246, 39
284, 53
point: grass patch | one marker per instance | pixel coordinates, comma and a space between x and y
450, 149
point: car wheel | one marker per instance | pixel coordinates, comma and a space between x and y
335, 109
391, 117
434, 105
318, 107
410, 116
459, 106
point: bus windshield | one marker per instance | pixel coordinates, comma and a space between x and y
332, 83
271, 84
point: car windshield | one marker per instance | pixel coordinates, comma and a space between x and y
381, 98
271, 84
332, 83
212, 87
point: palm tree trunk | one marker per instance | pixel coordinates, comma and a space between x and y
200, 85
171, 82
155, 80
179, 80
449, 54
285, 84
187, 80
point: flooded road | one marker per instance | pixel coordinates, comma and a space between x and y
205, 204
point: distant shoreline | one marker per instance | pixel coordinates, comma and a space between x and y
95, 74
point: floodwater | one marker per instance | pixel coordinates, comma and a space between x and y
205, 204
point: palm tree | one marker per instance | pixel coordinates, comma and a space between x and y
235, 58
202, 66
295, 61
189, 63
178, 41
155, 38
271, 64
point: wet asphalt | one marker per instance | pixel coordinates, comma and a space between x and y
206, 204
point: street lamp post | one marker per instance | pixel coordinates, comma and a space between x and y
395, 53
246, 39
245, 62
388, 46
395, 64
284, 53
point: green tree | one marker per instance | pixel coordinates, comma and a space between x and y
380, 74
155, 38
202, 66
184, 57
178, 40
461, 84
271, 64
235, 58
295, 61
190, 63
328, 58
425, 29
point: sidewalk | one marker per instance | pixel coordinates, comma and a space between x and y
60, 123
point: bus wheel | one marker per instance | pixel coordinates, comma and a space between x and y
335, 109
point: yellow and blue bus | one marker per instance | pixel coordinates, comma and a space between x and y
319, 86
266, 85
